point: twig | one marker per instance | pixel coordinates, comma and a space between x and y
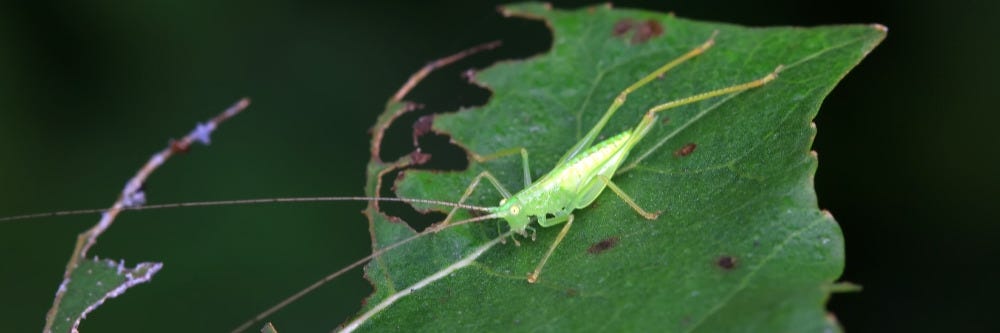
132, 196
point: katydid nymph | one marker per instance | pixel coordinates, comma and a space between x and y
585, 170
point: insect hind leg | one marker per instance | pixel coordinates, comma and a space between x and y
649, 119
628, 199
718, 92
622, 96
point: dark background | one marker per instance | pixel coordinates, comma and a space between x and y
88, 90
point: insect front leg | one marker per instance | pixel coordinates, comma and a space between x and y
533, 277
526, 167
468, 192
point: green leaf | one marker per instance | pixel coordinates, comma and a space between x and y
741, 244
90, 285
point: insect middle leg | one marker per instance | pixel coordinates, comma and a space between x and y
510, 151
493, 180
533, 277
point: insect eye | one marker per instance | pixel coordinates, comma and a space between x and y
514, 210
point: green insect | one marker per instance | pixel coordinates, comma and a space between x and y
583, 173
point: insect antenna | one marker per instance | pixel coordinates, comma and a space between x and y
345, 269
242, 202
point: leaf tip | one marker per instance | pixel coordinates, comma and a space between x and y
828, 215
833, 322
880, 31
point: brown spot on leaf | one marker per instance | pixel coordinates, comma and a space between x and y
665, 120
646, 31
726, 262
572, 292
641, 31
686, 150
621, 27
421, 127
419, 158
603, 245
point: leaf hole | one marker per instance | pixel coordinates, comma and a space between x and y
450, 89
416, 219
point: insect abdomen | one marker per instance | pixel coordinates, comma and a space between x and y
596, 160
